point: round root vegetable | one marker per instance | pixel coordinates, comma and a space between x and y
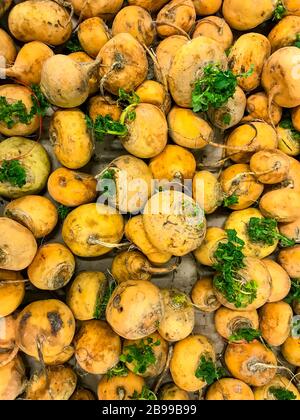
56, 383
152, 92
45, 328
120, 387
276, 204
99, 105
207, 191
135, 309
205, 253
8, 346
188, 129
12, 379
296, 118
268, 392
281, 283
204, 7
71, 139
35, 212
244, 15
187, 62
291, 230
229, 389
146, 140
185, 361
12, 291
97, 347
91, 8
65, 82
83, 59
8, 50
252, 363
203, 295
92, 230
287, 141
17, 245
136, 21
135, 232
289, 259
86, 291
237, 181
123, 64
293, 177
13, 125
52, 267
175, 18
291, 350
170, 392
150, 5
270, 166
275, 322
229, 322
174, 222
5, 4
40, 20
165, 53
239, 221
178, 320
71, 188
259, 109
30, 167
285, 32
92, 35
280, 77
215, 28
82, 394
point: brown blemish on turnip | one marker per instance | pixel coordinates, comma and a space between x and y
56, 322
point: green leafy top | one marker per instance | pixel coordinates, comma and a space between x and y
294, 294
13, 172
102, 301
247, 334
106, 125
208, 371
281, 393
297, 42
119, 370
288, 125
146, 394
73, 45
280, 11
230, 200
230, 259
140, 354
126, 99
40, 102
108, 189
265, 231
63, 211
178, 299
226, 119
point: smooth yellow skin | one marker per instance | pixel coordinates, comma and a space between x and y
188, 129
186, 356
285, 32
134, 63
51, 318
296, 118
71, 188
258, 109
130, 265
35, 212
99, 105
205, 253
281, 282
120, 387
142, 309
270, 166
181, 13
256, 271
263, 393
235, 181
179, 317
97, 347
239, 220
165, 53
229, 389
203, 295
45, 21
61, 385
160, 352
34, 159
289, 259
82, 394
4, 6
7, 48
72, 142
152, 92
92, 35
228, 321
286, 143
91, 8
93, 82
12, 379
277, 205
215, 28
291, 230
170, 392
207, 7
84, 293
11, 294
17, 245
90, 223
291, 350
207, 191
240, 360
275, 322
52, 267
135, 232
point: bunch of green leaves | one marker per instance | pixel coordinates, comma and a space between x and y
102, 301
247, 334
265, 231
73, 45
294, 294
229, 260
146, 394
13, 172
40, 102
141, 354
106, 125
280, 11
63, 211
297, 42
281, 393
230, 200
119, 370
215, 87
13, 113
208, 371
288, 125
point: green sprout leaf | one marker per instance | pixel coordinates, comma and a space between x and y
141, 354
281, 393
280, 11
297, 42
247, 334
63, 211
102, 301
13, 172
287, 124
231, 200
40, 102
265, 231
226, 119
146, 394
294, 294
13, 113
119, 370
106, 126
73, 45
208, 371
126, 99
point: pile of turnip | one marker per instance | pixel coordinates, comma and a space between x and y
202, 97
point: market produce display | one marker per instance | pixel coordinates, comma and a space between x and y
150, 200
